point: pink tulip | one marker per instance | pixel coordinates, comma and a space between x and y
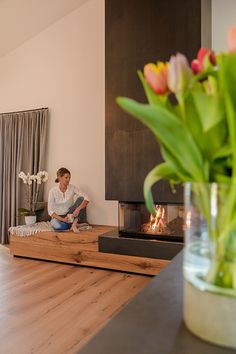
198, 65
156, 77
232, 40
179, 74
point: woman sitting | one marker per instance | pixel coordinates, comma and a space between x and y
66, 204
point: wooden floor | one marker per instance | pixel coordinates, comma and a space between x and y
53, 308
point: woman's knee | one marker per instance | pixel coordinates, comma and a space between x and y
59, 225
79, 200
76, 204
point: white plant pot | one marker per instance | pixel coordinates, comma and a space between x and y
30, 219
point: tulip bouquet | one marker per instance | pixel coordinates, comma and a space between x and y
191, 111
33, 184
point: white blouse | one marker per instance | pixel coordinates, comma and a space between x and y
59, 202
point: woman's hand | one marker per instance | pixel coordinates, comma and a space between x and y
80, 207
76, 212
65, 219
60, 218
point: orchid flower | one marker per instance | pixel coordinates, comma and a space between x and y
33, 183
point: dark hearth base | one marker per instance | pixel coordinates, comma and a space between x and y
111, 242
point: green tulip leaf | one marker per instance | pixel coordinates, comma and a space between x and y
222, 179
172, 162
162, 171
194, 125
210, 109
225, 151
216, 134
171, 133
231, 116
227, 68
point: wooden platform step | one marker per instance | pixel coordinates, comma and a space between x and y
81, 249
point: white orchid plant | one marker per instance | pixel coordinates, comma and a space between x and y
33, 184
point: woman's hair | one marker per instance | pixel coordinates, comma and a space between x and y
61, 172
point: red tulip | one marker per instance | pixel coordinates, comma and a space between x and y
195, 66
156, 77
232, 39
201, 63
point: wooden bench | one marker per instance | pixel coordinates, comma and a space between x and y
81, 249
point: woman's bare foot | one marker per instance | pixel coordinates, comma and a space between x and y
74, 227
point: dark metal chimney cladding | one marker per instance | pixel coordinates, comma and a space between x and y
139, 32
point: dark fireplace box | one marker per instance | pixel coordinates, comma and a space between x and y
141, 234
138, 32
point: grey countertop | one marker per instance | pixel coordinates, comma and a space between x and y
152, 322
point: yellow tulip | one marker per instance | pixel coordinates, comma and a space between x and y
156, 77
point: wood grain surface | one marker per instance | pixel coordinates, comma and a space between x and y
81, 249
49, 308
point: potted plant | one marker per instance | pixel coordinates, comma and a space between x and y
192, 113
33, 185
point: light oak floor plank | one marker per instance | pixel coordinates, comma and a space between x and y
53, 308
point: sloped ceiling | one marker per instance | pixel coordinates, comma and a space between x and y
21, 20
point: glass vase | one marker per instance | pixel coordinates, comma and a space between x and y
210, 262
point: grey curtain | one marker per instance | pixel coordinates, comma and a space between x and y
22, 148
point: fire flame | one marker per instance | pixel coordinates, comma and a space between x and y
157, 223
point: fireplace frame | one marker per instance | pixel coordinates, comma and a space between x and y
133, 215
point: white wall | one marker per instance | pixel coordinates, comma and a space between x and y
223, 17
63, 68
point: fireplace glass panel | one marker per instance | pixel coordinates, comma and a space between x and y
136, 221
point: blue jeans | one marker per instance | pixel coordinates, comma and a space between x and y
62, 226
